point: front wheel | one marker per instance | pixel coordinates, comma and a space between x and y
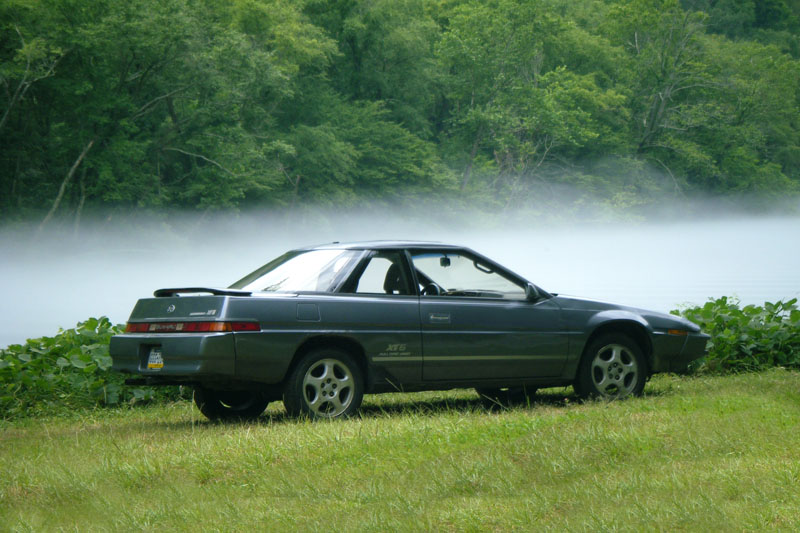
613, 367
230, 405
325, 384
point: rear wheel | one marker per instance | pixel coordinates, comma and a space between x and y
496, 398
325, 383
613, 367
230, 405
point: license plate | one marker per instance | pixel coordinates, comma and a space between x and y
154, 360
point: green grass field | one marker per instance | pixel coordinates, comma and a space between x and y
700, 454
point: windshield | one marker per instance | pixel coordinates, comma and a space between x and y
456, 274
314, 271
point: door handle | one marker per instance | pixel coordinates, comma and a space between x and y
439, 318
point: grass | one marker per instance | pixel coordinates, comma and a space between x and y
706, 453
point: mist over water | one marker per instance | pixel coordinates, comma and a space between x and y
58, 279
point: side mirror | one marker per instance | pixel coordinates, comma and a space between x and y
531, 292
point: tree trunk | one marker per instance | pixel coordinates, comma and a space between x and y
14, 196
295, 192
25, 83
63, 187
472, 153
22, 88
79, 210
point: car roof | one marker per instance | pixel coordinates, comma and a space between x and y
401, 245
382, 244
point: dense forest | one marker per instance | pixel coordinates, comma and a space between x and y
126, 105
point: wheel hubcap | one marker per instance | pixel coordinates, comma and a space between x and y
328, 388
615, 372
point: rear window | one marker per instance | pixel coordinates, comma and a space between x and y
312, 271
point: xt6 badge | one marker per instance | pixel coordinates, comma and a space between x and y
396, 350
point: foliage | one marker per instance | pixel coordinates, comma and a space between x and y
750, 337
125, 105
70, 370
150, 104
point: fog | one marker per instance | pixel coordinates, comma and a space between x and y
59, 278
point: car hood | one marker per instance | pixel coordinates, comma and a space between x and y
656, 319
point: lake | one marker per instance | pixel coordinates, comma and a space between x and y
57, 280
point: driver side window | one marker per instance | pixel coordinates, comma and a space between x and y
456, 274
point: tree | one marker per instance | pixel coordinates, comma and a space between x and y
516, 101
385, 55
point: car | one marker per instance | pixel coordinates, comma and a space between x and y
321, 326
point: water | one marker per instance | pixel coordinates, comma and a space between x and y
56, 281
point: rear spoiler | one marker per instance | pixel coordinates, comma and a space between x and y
160, 293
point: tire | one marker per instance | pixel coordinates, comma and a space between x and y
499, 398
613, 367
230, 405
326, 383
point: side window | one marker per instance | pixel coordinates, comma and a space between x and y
454, 274
384, 274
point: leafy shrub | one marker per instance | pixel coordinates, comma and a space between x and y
750, 337
72, 369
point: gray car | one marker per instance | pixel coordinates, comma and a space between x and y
321, 326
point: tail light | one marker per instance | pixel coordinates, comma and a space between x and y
190, 327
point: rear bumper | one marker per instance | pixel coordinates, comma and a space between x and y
190, 356
672, 353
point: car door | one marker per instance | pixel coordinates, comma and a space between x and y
478, 324
380, 307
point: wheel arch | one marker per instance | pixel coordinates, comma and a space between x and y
338, 342
631, 328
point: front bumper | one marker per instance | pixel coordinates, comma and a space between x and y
673, 353
188, 356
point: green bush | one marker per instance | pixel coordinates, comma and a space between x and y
748, 338
72, 369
